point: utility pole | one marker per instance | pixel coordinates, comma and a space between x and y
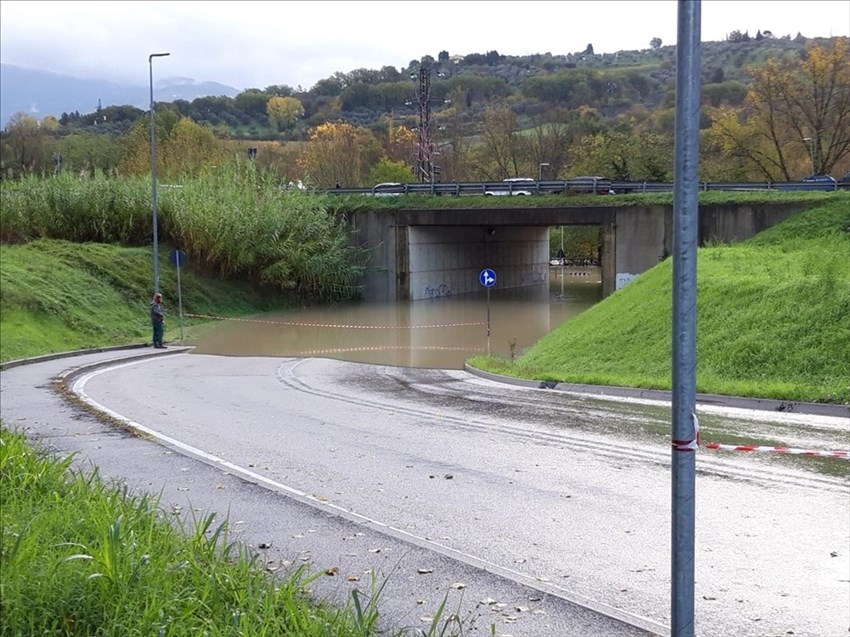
424, 144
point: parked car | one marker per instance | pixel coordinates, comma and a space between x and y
514, 187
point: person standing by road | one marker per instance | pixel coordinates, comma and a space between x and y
157, 320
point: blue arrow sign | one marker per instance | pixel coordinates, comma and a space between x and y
487, 277
177, 258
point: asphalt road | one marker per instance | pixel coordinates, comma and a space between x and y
540, 512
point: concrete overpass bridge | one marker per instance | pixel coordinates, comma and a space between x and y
424, 253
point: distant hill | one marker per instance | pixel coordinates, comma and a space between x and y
41, 93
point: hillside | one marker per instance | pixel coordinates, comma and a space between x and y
610, 83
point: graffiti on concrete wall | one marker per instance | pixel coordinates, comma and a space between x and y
623, 278
438, 291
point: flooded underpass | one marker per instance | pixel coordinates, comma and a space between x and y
433, 333
565, 490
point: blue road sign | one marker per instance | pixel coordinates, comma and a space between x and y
487, 277
177, 258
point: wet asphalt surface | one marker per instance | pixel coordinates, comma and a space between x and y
538, 512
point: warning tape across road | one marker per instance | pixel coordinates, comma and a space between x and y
779, 450
336, 325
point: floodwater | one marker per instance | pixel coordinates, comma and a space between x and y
436, 333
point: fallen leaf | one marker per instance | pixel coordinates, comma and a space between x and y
457, 586
334, 570
424, 571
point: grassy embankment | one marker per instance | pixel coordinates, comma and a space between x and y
80, 557
773, 320
76, 256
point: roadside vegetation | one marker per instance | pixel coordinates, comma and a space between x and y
772, 320
79, 556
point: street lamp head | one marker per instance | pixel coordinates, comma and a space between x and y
157, 55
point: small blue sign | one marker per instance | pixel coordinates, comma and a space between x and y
177, 258
487, 277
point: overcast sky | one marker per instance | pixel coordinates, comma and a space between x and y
257, 44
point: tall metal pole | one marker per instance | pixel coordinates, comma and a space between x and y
810, 147
685, 440
425, 145
153, 180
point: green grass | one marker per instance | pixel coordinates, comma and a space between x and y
59, 296
81, 557
773, 320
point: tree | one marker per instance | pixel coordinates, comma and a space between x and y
88, 153
624, 156
24, 145
655, 43
400, 145
284, 112
336, 154
387, 170
789, 102
504, 149
589, 50
183, 147
189, 149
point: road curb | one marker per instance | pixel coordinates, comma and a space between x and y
736, 402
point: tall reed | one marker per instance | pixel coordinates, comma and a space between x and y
234, 220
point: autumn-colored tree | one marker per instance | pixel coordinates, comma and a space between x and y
284, 112
182, 147
796, 114
338, 153
189, 149
400, 145
24, 146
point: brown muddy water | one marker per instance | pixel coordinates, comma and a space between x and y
434, 333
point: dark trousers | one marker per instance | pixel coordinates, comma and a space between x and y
157, 333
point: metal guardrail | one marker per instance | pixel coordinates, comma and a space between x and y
573, 187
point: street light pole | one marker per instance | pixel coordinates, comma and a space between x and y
153, 179
809, 146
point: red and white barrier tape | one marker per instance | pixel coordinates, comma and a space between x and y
336, 325
694, 443
780, 450
339, 350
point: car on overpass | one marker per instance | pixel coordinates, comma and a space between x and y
515, 187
